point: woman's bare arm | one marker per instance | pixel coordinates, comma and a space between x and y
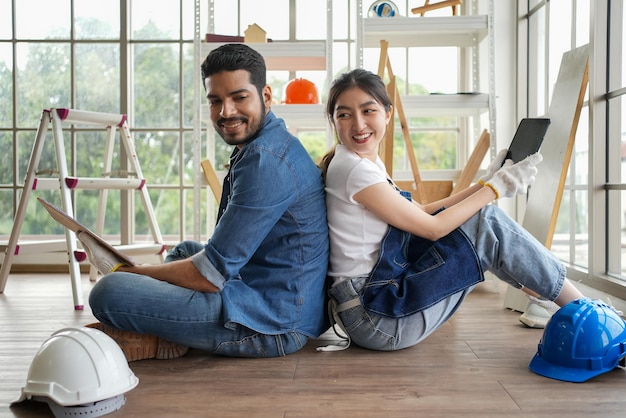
393, 208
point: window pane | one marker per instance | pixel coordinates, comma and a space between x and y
582, 22
6, 214
42, 19
90, 150
340, 58
308, 11
25, 140
340, 19
622, 42
38, 222
266, 14
98, 77
149, 21
440, 78
581, 225
434, 150
571, 236
188, 164
227, 22
189, 19
190, 74
208, 213
622, 257
6, 23
6, 158
166, 204
315, 143
616, 239
158, 153
6, 86
43, 80
156, 85
97, 20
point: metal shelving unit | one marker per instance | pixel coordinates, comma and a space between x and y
468, 32
279, 56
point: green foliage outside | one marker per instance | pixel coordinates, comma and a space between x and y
161, 122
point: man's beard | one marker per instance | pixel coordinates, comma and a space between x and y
250, 136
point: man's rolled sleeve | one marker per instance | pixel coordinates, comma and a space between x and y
208, 270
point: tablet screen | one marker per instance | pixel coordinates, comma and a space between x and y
528, 138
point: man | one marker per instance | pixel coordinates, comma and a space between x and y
256, 289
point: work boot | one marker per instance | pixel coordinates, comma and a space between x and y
137, 346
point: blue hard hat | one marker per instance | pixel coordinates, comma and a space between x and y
583, 339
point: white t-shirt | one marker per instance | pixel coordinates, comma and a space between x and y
355, 232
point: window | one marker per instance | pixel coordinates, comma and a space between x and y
591, 225
124, 57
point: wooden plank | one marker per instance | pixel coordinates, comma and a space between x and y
473, 163
428, 190
544, 197
476, 365
211, 178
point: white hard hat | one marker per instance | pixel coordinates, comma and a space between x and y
79, 366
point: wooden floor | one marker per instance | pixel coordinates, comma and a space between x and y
474, 366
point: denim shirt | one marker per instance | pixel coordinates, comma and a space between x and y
269, 251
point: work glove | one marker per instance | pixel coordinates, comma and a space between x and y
514, 179
99, 256
494, 166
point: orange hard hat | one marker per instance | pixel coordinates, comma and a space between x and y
300, 91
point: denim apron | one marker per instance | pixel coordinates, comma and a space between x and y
413, 273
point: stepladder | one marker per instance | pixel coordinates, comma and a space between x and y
52, 178
430, 190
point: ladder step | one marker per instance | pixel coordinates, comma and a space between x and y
130, 250
36, 247
142, 248
89, 183
91, 118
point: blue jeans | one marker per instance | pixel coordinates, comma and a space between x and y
142, 304
503, 247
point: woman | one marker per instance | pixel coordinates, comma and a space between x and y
370, 222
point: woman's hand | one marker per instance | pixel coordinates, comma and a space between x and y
494, 166
514, 179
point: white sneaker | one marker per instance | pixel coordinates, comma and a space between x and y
538, 312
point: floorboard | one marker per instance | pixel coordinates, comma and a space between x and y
474, 366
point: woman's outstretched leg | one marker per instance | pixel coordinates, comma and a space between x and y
510, 252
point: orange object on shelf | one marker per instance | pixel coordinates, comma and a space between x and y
301, 91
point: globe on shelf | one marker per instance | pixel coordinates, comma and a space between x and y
383, 8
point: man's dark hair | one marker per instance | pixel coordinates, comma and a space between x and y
232, 57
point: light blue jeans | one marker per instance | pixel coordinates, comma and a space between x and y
142, 304
503, 248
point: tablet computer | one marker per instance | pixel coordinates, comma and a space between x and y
71, 223
528, 138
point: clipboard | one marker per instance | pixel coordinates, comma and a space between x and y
528, 138
72, 224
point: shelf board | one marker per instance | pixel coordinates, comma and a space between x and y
445, 104
285, 56
307, 116
302, 116
296, 116
401, 31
